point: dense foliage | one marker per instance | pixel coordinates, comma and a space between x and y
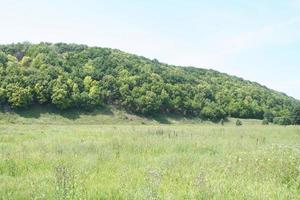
78, 76
296, 116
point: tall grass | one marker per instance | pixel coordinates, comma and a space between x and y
149, 162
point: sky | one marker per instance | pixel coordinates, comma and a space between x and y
258, 40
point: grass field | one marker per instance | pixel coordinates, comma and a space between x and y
43, 160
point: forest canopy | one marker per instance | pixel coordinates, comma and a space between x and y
77, 76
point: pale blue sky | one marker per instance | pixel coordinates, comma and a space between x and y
258, 40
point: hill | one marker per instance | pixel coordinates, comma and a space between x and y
70, 76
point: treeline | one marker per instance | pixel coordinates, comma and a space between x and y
78, 76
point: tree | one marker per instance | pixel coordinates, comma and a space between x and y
25, 62
3, 58
213, 112
282, 120
109, 88
269, 116
19, 97
88, 68
60, 97
94, 91
41, 92
11, 58
76, 95
39, 61
61, 94
148, 103
87, 82
296, 115
95, 94
78, 76
2, 95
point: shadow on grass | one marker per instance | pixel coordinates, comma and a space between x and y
168, 118
37, 110
161, 119
171, 118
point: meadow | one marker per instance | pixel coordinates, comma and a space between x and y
147, 160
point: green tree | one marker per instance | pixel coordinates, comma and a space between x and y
76, 95
19, 97
3, 58
78, 76
41, 92
269, 116
94, 91
282, 120
26, 61
2, 95
296, 115
95, 94
109, 88
213, 112
61, 94
148, 103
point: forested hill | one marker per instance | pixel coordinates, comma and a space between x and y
78, 76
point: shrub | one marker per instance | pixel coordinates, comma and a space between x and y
222, 122
2, 95
265, 122
3, 58
282, 121
269, 116
238, 122
296, 116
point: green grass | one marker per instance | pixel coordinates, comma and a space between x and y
105, 115
71, 159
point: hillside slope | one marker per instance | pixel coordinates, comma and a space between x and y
77, 76
108, 115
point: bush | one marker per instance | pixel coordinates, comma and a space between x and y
282, 121
3, 58
296, 116
2, 95
238, 122
269, 116
265, 122
222, 122
19, 97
